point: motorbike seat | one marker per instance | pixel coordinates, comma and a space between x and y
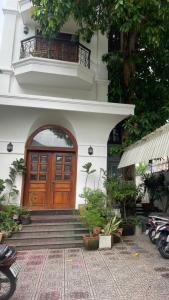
3, 250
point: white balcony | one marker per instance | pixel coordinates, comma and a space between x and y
59, 63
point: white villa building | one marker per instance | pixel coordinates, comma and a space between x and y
53, 109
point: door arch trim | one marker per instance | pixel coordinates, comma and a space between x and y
28, 145
29, 148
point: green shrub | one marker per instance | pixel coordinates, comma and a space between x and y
91, 217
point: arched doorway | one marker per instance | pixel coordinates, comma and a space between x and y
50, 179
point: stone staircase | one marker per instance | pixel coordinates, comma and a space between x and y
50, 229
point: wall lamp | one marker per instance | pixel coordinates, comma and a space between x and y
90, 150
26, 29
10, 147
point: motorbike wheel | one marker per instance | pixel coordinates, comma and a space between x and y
7, 284
162, 243
151, 236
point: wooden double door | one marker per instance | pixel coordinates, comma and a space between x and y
50, 180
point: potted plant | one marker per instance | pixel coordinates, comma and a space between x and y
92, 218
124, 192
110, 229
24, 216
13, 211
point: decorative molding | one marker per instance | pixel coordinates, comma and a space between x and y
49, 71
13, 141
10, 11
6, 71
116, 109
23, 2
102, 81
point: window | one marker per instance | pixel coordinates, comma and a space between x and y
52, 137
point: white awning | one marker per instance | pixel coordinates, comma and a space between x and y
153, 145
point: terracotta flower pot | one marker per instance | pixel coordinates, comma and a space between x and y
91, 242
96, 231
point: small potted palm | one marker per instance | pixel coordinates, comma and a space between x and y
110, 229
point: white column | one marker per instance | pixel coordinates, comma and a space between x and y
7, 41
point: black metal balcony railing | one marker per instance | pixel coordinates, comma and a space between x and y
58, 49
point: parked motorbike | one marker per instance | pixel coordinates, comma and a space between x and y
9, 270
154, 221
162, 240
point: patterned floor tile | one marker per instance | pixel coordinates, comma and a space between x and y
133, 270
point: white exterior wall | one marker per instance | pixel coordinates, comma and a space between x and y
18, 123
26, 107
10, 53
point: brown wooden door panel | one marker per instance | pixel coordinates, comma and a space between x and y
62, 185
50, 180
61, 199
63, 180
37, 184
37, 199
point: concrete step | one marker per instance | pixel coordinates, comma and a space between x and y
54, 218
49, 233
50, 229
51, 226
56, 245
43, 239
55, 212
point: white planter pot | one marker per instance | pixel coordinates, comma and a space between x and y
105, 241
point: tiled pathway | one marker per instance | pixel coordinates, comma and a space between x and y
133, 270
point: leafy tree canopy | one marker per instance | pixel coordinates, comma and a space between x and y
146, 17
139, 69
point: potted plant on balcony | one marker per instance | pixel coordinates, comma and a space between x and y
110, 229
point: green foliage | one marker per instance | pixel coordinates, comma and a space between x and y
10, 209
10, 218
94, 198
17, 167
87, 169
23, 211
7, 223
91, 217
2, 185
146, 17
158, 189
94, 212
121, 191
141, 169
135, 220
112, 226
